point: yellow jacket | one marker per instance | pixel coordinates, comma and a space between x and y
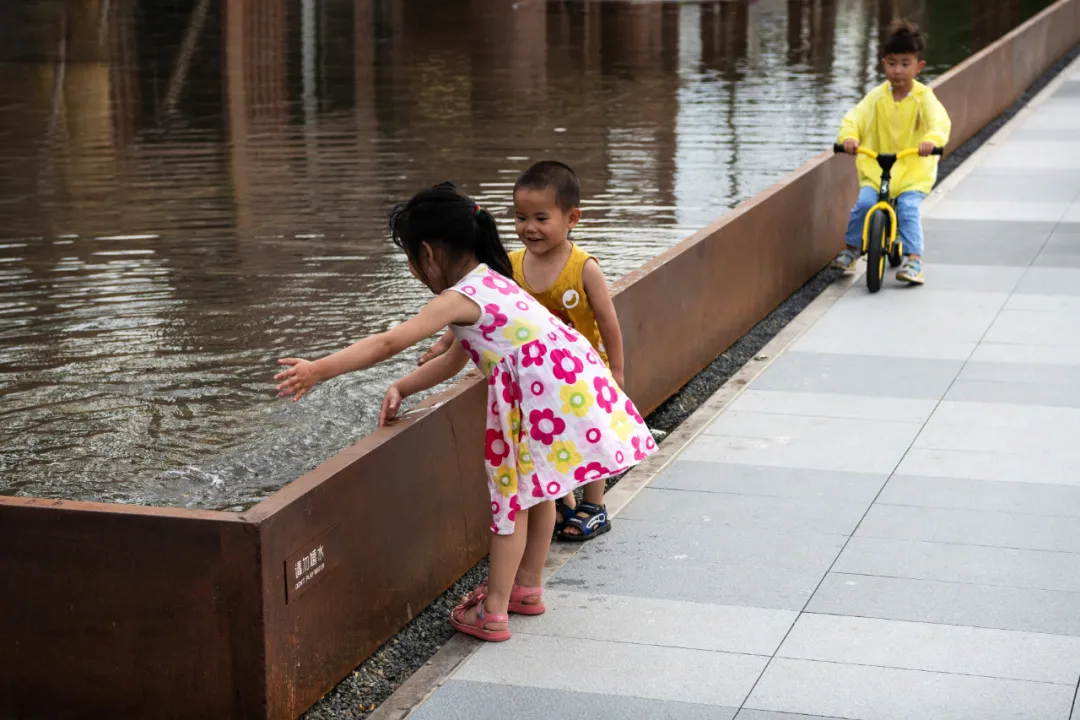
880, 123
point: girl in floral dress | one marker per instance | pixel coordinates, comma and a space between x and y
555, 416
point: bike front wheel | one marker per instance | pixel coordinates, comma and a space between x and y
875, 253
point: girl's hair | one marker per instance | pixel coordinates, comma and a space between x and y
443, 216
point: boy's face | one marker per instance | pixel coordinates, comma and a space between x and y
902, 68
541, 225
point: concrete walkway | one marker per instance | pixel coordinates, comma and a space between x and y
885, 525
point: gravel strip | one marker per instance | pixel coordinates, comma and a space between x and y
377, 678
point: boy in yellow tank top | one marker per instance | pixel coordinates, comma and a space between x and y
569, 283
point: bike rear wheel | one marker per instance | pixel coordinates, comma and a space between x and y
877, 238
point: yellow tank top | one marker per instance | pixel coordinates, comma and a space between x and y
566, 298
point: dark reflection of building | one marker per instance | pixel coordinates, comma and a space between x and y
724, 37
811, 35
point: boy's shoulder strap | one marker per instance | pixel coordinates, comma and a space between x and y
575, 265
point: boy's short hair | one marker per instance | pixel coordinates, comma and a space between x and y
553, 175
903, 38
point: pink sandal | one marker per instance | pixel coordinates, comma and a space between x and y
479, 629
518, 595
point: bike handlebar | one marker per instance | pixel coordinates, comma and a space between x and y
838, 148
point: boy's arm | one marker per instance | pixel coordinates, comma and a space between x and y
854, 121
607, 322
938, 124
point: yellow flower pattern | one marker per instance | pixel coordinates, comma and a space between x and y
506, 480
564, 456
524, 459
620, 423
576, 399
521, 332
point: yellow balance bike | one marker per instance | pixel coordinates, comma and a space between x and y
879, 239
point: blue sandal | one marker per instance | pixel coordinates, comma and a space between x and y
596, 523
564, 513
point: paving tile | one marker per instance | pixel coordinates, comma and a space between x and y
984, 386
1035, 328
854, 343
1046, 135
648, 621
988, 495
950, 603
643, 671
853, 691
1050, 281
1029, 155
987, 184
972, 248
469, 700
973, 527
801, 442
975, 277
769, 481
1043, 303
1022, 468
751, 568
681, 508
1053, 115
746, 714
1054, 422
1015, 393
1070, 89
836, 405
1072, 215
1061, 250
945, 230
970, 314
824, 373
1044, 355
1011, 655
1035, 569
1022, 373
1003, 210
1046, 440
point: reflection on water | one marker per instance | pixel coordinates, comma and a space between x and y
189, 190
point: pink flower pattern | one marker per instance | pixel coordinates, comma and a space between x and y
496, 449
495, 319
533, 354
498, 282
546, 425
566, 366
606, 395
524, 386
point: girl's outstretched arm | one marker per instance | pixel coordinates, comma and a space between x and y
449, 308
607, 322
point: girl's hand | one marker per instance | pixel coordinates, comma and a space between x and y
926, 148
390, 405
301, 376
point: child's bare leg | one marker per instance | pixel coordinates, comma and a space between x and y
594, 492
541, 524
570, 500
503, 562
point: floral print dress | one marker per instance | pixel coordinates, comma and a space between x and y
555, 418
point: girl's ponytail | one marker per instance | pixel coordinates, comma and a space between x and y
488, 247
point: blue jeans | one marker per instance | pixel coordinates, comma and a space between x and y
908, 221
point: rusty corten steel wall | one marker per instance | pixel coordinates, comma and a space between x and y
147, 612
115, 611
